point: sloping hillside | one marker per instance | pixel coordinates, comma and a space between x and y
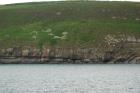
84, 23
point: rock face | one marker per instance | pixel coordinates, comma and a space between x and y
129, 54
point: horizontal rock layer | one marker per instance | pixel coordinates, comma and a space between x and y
27, 55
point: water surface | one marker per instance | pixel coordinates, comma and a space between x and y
69, 78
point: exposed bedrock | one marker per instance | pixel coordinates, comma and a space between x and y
128, 54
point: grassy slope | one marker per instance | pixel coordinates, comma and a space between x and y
87, 23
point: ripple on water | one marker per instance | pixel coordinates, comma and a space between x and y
69, 79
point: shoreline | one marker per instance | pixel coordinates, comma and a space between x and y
35, 60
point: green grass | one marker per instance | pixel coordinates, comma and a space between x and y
87, 23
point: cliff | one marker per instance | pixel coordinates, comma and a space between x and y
129, 53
